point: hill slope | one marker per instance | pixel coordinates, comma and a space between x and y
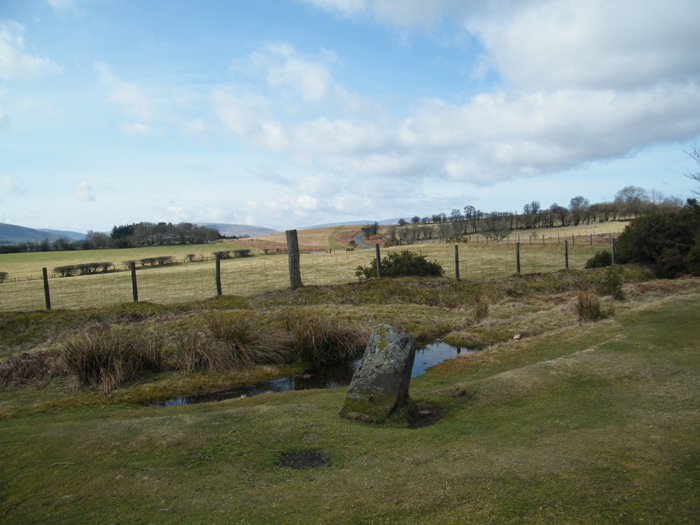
13, 234
238, 230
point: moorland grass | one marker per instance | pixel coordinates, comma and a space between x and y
571, 423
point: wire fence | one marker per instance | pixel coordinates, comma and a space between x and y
245, 276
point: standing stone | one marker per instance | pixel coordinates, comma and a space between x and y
379, 387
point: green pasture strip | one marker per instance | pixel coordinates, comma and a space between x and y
590, 423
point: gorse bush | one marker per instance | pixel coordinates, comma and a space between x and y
105, 358
401, 264
601, 259
320, 342
612, 285
669, 243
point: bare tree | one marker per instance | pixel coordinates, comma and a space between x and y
695, 155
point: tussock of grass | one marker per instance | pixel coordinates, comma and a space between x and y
31, 367
322, 342
590, 308
107, 358
232, 342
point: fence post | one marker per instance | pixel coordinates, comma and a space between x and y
591, 239
456, 262
294, 268
573, 240
612, 249
134, 288
517, 257
379, 265
543, 240
47, 293
566, 254
218, 275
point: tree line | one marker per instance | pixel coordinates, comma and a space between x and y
125, 236
629, 203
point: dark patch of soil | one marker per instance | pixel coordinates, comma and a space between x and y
303, 459
428, 415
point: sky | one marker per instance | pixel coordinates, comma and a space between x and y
292, 113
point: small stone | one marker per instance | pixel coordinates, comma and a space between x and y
424, 412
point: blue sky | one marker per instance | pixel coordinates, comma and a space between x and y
291, 113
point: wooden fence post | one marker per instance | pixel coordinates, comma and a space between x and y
517, 257
218, 275
566, 254
612, 249
47, 293
456, 262
134, 288
293, 251
379, 264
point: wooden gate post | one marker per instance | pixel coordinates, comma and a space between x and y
293, 251
566, 254
379, 264
517, 257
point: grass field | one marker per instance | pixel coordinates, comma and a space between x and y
572, 422
252, 275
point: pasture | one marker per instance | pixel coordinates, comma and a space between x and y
569, 421
192, 281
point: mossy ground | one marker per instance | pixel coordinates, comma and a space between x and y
570, 422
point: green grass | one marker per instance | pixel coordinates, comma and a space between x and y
572, 423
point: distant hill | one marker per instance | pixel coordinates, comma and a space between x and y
351, 223
239, 230
73, 236
13, 234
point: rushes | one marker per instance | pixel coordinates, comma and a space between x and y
232, 342
321, 342
590, 308
106, 358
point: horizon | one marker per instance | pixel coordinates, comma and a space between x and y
299, 113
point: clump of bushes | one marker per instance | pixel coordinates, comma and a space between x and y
601, 259
401, 264
3, 277
669, 243
320, 342
105, 358
232, 342
590, 308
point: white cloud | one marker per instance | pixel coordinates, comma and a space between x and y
83, 192
130, 96
15, 62
4, 119
139, 128
9, 186
63, 5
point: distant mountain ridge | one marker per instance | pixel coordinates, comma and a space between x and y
238, 230
13, 234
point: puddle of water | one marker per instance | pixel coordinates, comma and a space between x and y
329, 377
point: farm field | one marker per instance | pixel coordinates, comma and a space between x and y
251, 275
570, 421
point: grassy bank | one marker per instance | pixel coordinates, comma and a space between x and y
558, 420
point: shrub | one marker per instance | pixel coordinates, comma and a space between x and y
601, 259
663, 241
612, 285
401, 264
590, 308
321, 342
107, 358
3, 277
